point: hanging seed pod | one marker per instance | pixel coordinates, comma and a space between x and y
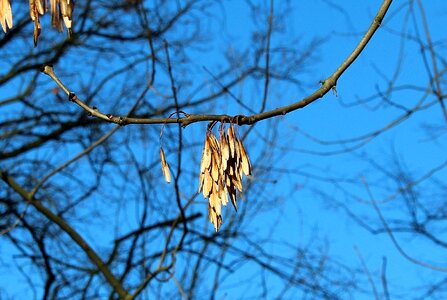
206, 156
5, 15
223, 164
205, 163
165, 166
214, 211
207, 184
225, 149
66, 11
223, 192
245, 161
215, 159
35, 9
232, 141
211, 180
232, 193
60, 10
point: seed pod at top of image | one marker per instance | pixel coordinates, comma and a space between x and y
5, 15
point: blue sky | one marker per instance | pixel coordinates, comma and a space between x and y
329, 120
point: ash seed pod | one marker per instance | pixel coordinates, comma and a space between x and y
223, 195
207, 184
245, 160
165, 166
215, 171
237, 183
224, 147
5, 15
215, 150
215, 210
232, 194
227, 180
206, 156
201, 180
231, 141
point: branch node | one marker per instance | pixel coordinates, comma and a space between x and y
47, 69
122, 121
71, 96
334, 90
237, 119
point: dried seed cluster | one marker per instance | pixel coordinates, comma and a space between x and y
61, 11
221, 169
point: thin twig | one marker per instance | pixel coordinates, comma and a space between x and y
267, 58
436, 76
393, 238
88, 149
59, 221
16, 222
384, 280
367, 272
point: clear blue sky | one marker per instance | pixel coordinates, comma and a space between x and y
341, 28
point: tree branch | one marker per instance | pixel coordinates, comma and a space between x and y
92, 255
327, 85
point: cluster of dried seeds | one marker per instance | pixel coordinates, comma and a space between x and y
61, 11
221, 169
224, 161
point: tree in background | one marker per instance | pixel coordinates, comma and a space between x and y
85, 210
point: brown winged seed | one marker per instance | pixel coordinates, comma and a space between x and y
165, 166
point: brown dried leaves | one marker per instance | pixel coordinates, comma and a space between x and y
61, 12
223, 163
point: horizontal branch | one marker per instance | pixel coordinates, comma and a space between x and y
327, 85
